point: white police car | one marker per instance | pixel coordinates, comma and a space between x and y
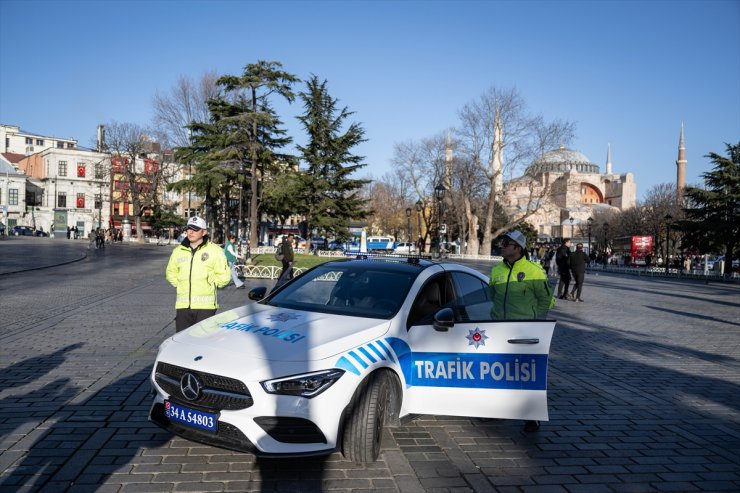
348, 347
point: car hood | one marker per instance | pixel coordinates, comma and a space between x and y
279, 334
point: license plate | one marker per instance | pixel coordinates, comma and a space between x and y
190, 417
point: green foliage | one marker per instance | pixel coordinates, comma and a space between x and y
329, 197
712, 221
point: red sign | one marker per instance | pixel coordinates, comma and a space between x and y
80, 171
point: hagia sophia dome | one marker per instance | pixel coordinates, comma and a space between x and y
562, 160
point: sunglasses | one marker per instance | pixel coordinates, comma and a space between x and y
507, 242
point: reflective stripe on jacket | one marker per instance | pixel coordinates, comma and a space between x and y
520, 291
197, 275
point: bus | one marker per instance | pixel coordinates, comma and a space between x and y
634, 250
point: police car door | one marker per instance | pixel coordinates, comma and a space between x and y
476, 367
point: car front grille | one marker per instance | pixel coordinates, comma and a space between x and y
218, 393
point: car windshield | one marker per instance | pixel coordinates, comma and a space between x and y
370, 289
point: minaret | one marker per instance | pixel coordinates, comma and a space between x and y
498, 153
609, 159
448, 163
681, 168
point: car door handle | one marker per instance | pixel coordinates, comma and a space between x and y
524, 341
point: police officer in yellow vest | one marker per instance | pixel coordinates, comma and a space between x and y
197, 268
519, 288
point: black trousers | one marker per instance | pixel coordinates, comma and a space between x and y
185, 317
578, 277
564, 283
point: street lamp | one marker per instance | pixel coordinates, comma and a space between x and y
418, 217
571, 227
590, 220
249, 225
439, 193
606, 243
408, 224
668, 218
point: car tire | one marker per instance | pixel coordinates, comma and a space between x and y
363, 429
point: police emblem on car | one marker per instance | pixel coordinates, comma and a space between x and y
329, 359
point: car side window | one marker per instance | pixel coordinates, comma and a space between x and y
437, 293
473, 300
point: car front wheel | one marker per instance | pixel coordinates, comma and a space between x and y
363, 429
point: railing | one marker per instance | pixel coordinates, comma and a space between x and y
263, 271
661, 272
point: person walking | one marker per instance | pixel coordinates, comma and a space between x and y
286, 255
519, 288
578, 262
562, 260
231, 258
197, 268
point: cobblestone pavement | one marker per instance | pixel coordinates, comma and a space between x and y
644, 389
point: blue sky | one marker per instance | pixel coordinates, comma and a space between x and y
628, 73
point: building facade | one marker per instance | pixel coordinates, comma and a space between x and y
565, 187
17, 141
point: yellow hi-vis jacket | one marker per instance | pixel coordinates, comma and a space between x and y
197, 275
520, 291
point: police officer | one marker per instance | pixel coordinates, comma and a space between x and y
197, 268
519, 288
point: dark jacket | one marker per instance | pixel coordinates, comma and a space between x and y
578, 262
562, 258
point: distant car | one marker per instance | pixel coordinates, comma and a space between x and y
405, 248
26, 231
331, 358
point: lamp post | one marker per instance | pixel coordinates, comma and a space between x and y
606, 243
571, 227
418, 217
408, 224
668, 218
590, 220
249, 225
439, 193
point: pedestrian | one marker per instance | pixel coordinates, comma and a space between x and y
578, 262
519, 288
286, 255
197, 268
562, 260
231, 258
547, 260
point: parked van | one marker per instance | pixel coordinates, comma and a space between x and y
380, 244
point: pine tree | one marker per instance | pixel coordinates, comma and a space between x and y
329, 195
713, 213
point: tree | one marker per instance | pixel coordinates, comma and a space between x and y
184, 104
329, 195
500, 136
713, 213
138, 179
256, 85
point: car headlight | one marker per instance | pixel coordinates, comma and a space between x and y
305, 385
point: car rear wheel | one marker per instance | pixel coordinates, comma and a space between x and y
363, 429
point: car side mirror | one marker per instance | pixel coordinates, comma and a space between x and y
257, 294
444, 319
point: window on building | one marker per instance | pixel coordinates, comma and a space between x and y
30, 199
81, 169
13, 196
98, 201
60, 145
98, 171
62, 199
29, 141
62, 168
70, 145
80, 201
39, 142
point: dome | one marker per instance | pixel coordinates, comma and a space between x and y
563, 160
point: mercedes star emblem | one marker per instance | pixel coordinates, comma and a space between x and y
190, 386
